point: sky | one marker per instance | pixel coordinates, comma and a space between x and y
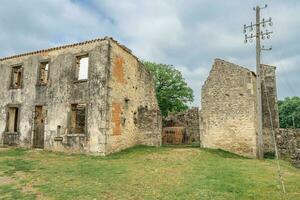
188, 34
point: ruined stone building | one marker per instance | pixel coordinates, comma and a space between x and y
93, 97
228, 116
182, 127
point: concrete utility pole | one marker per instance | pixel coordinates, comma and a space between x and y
259, 35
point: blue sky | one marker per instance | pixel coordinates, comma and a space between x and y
188, 34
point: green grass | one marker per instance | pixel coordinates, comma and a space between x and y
143, 173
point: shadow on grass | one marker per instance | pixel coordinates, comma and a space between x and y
16, 165
13, 152
269, 155
139, 149
181, 146
224, 154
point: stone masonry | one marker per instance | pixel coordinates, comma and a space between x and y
228, 116
189, 121
288, 142
91, 97
269, 107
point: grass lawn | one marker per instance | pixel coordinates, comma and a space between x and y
142, 173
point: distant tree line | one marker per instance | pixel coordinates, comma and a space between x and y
289, 112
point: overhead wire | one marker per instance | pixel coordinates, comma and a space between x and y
273, 135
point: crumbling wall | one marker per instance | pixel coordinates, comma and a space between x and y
269, 106
56, 97
228, 117
134, 113
188, 119
288, 142
174, 135
149, 123
24, 97
118, 107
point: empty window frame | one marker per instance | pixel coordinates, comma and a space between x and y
78, 117
16, 77
12, 119
43, 73
82, 67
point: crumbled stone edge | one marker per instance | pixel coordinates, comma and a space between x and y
68, 46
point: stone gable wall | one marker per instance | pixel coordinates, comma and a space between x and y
229, 109
135, 117
228, 118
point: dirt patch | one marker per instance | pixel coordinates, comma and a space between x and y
29, 187
5, 180
3, 149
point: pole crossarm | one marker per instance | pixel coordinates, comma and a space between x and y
258, 36
263, 23
263, 35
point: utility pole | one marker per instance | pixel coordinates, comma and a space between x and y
259, 35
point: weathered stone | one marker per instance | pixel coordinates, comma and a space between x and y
174, 135
288, 143
188, 120
117, 87
228, 116
269, 107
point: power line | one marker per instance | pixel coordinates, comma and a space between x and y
273, 136
260, 34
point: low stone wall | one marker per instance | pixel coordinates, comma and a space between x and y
288, 141
189, 120
174, 135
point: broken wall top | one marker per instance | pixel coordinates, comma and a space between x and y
47, 51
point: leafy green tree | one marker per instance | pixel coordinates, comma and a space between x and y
289, 112
173, 93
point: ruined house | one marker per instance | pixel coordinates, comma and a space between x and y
91, 97
182, 127
228, 116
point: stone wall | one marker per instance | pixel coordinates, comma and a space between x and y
188, 119
228, 117
229, 109
288, 142
57, 96
135, 116
269, 107
118, 90
174, 135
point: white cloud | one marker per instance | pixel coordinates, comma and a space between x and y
186, 34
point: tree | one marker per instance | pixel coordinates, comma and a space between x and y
289, 112
172, 91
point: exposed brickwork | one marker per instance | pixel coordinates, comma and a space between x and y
116, 117
188, 119
173, 135
118, 69
133, 86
